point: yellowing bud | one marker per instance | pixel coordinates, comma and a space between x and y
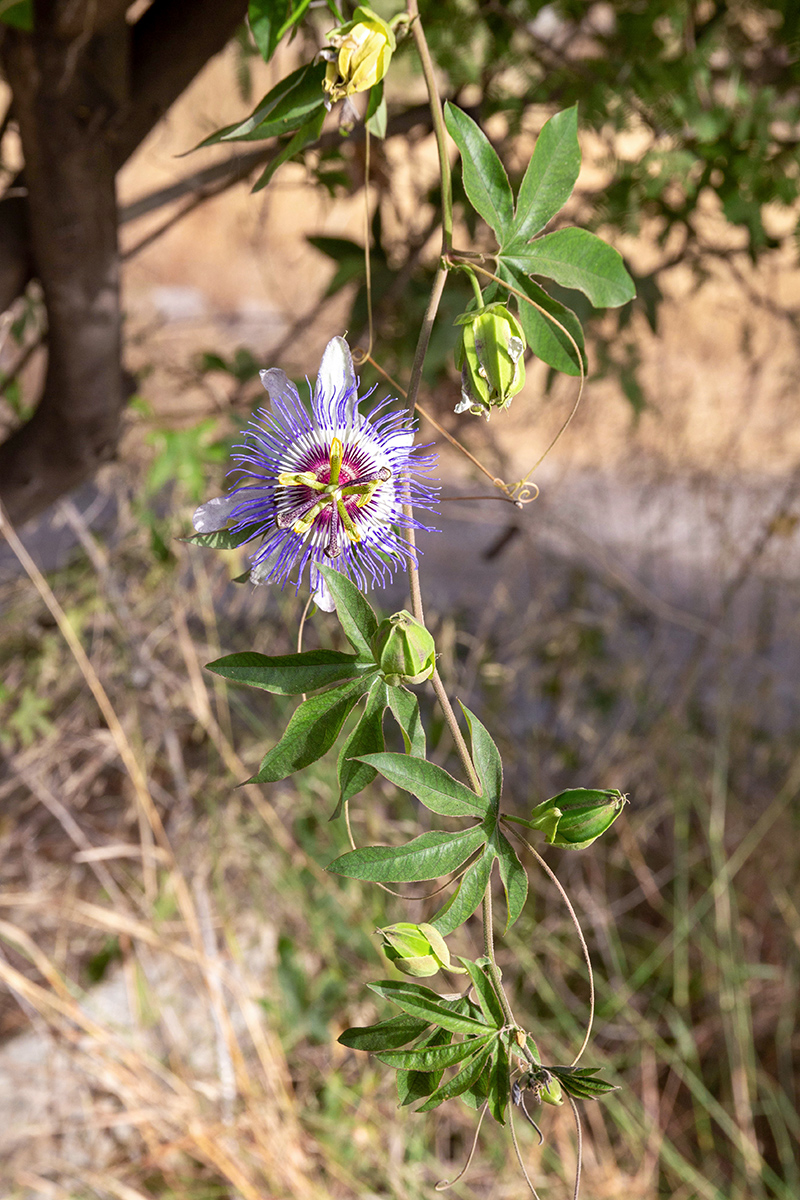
418, 950
358, 54
404, 650
490, 358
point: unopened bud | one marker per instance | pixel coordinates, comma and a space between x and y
490, 358
404, 650
358, 54
578, 817
418, 950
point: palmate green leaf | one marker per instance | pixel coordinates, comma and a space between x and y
425, 857
366, 738
485, 179
312, 730
578, 259
466, 1078
289, 674
550, 176
514, 877
467, 896
386, 1035
355, 614
487, 758
484, 990
421, 1002
437, 790
415, 1085
434, 1058
269, 20
499, 1083
308, 132
405, 710
224, 539
546, 340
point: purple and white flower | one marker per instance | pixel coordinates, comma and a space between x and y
325, 485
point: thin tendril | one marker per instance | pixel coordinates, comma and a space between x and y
444, 1184
361, 356
579, 1132
582, 939
519, 1155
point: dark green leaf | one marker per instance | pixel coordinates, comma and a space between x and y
437, 790
414, 1085
486, 757
421, 1002
468, 895
270, 19
386, 1035
18, 14
581, 1083
499, 1084
485, 179
376, 114
223, 539
288, 106
366, 738
433, 1058
405, 710
311, 732
578, 259
514, 877
306, 134
355, 614
545, 339
484, 990
425, 857
289, 674
466, 1078
550, 177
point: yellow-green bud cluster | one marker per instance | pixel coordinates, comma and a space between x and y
404, 650
418, 950
358, 54
490, 357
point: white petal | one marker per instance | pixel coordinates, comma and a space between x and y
261, 570
214, 514
336, 374
322, 596
278, 384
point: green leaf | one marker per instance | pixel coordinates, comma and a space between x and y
17, 13
386, 1035
355, 614
484, 990
437, 790
514, 877
376, 114
306, 134
405, 710
550, 177
289, 674
365, 738
434, 1058
425, 857
487, 758
421, 1002
269, 20
415, 1085
466, 1078
467, 896
499, 1084
312, 730
485, 179
223, 539
581, 1083
545, 339
578, 259
285, 108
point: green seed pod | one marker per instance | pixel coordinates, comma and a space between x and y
404, 650
578, 817
549, 1091
358, 55
490, 358
418, 950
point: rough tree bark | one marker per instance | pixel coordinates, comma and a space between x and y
87, 89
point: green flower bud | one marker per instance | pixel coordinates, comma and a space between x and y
404, 650
576, 818
358, 54
549, 1091
490, 358
418, 950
